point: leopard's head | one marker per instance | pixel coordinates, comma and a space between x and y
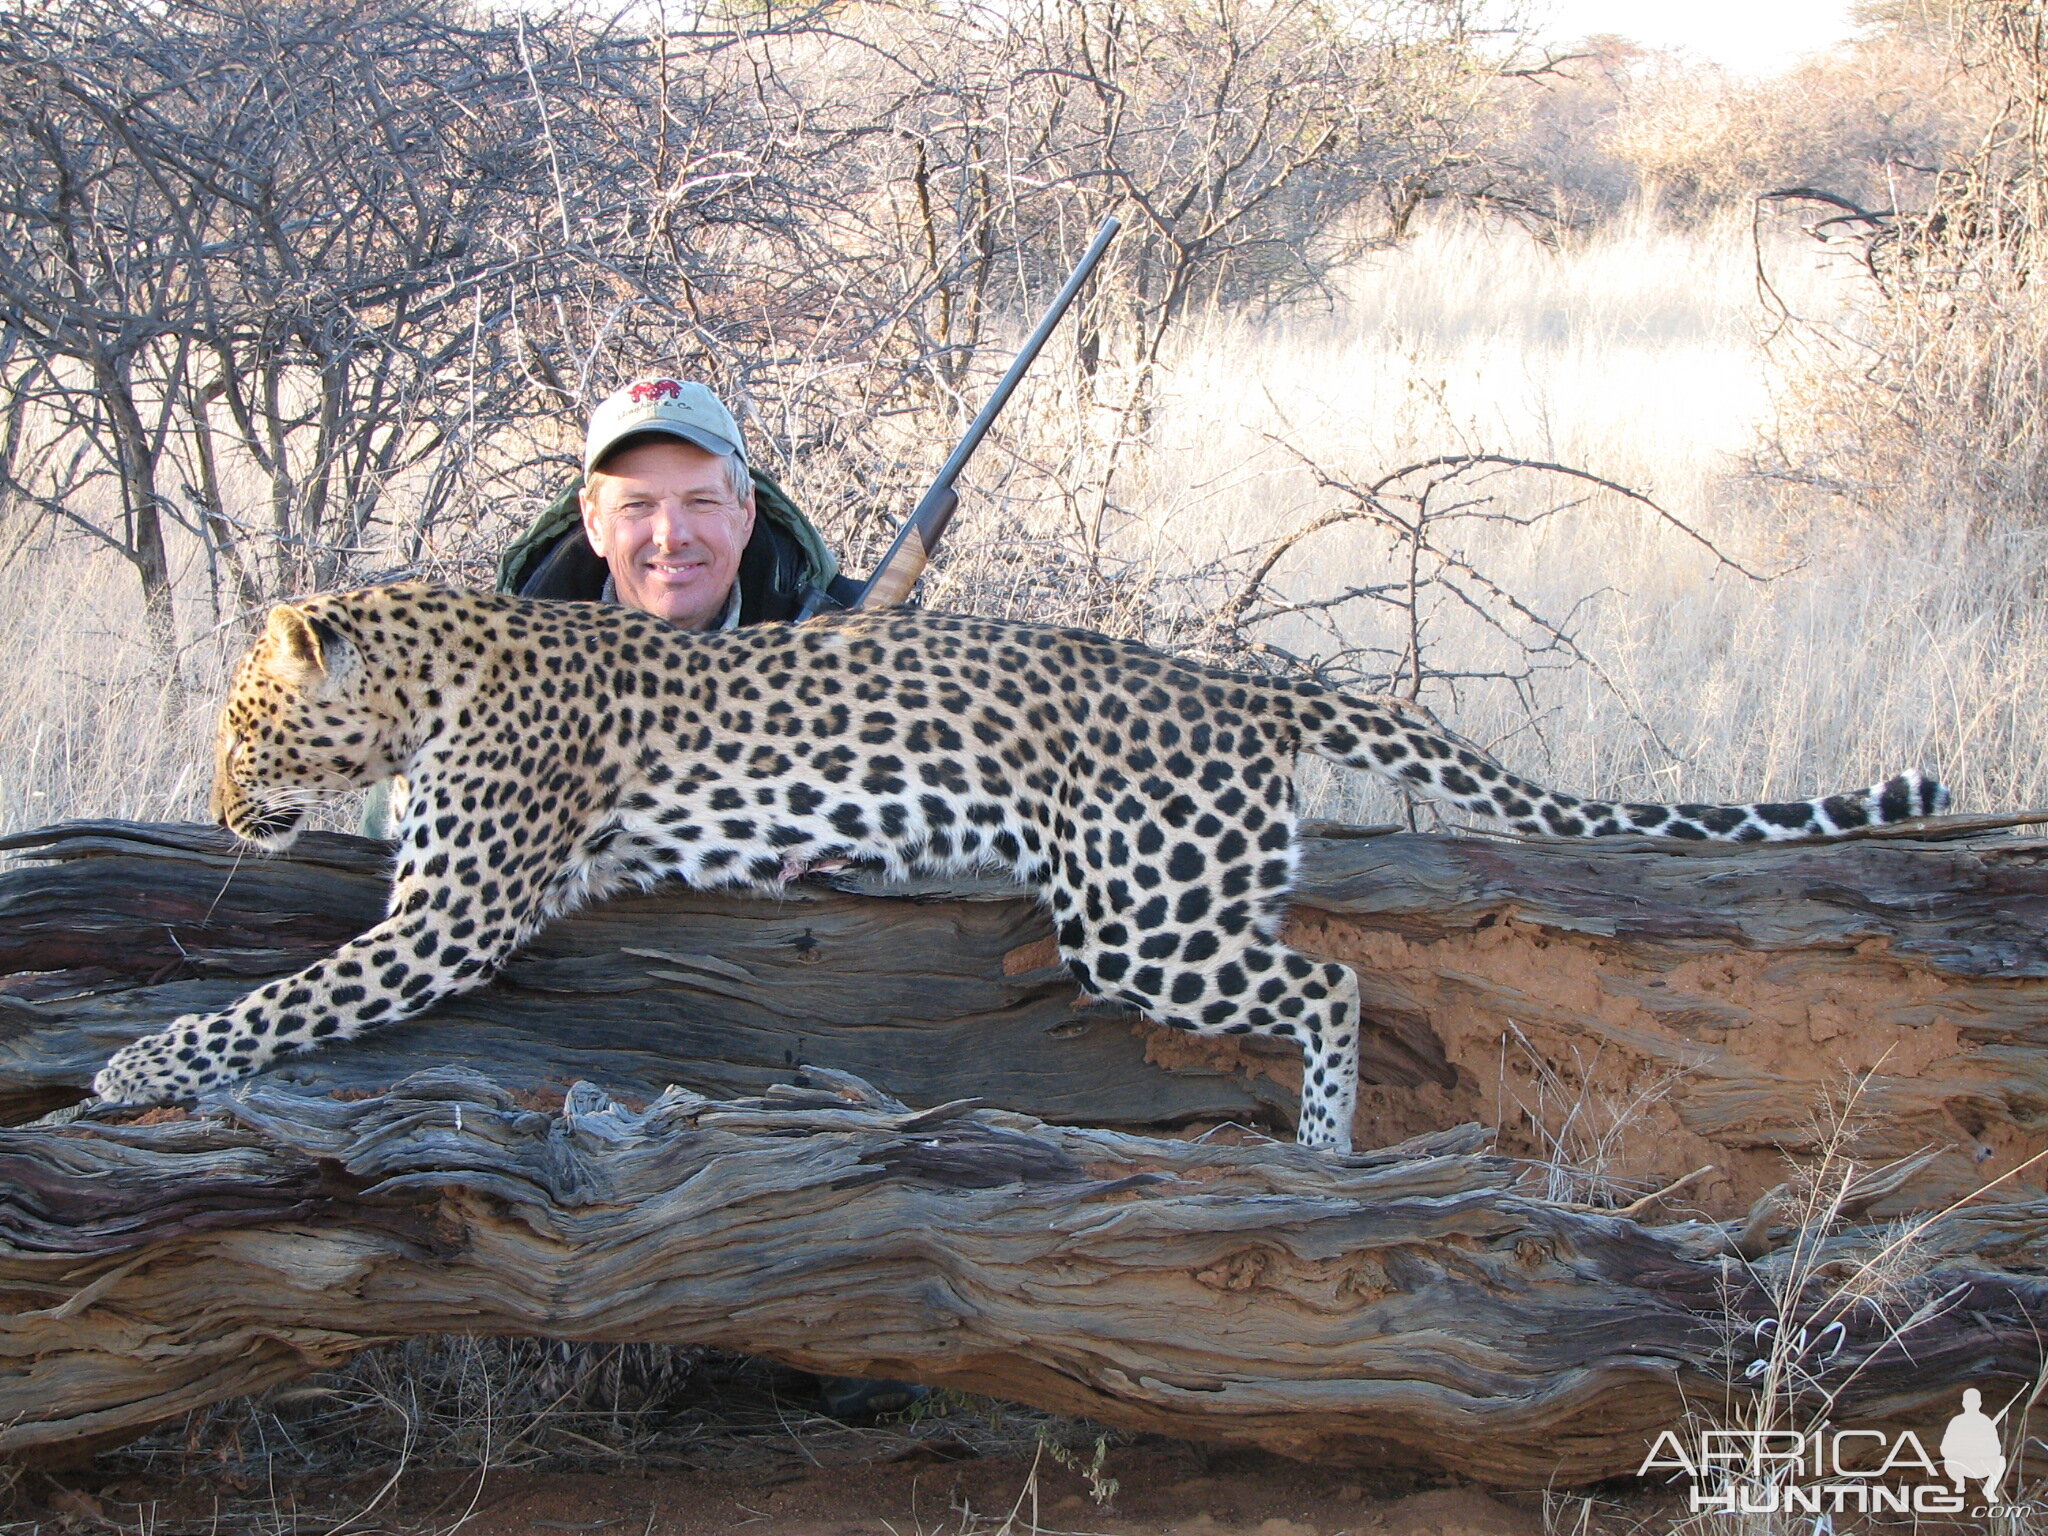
304, 720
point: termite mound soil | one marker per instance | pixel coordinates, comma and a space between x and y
1623, 1061
1635, 1074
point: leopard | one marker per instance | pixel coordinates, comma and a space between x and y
560, 752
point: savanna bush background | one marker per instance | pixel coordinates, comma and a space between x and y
298, 295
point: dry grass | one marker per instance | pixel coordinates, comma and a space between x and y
1829, 1275
503, 1404
88, 728
1578, 1133
1635, 354
414, 1438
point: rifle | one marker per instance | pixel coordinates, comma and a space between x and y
918, 539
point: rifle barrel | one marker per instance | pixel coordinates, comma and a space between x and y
1028, 353
919, 536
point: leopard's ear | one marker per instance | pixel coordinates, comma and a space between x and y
306, 652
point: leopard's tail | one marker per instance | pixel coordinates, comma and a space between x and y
1371, 736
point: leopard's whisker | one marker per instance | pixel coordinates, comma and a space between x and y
241, 848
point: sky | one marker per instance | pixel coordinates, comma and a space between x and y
1750, 37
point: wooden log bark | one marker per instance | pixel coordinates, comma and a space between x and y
1672, 1006
1401, 1307
1715, 1005
127, 926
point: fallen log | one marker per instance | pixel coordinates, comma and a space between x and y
1401, 1307
1626, 1012
1414, 1305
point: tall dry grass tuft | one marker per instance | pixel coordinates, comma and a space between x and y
1812, 1294
1577, 1132
88, 724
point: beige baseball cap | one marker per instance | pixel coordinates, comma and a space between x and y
671, 407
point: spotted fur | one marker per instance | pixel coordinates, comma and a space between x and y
559, 751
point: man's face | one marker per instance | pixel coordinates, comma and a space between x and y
662, 516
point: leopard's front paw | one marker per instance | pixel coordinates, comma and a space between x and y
159, 1068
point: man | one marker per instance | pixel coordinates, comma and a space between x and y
670, 519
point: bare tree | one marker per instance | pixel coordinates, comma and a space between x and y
324, 285
266, 269
1252, 146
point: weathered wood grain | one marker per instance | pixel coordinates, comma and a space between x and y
1718, 996
129, 927
1405, 1307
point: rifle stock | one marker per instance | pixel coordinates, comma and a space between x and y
918, 539
911, 550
